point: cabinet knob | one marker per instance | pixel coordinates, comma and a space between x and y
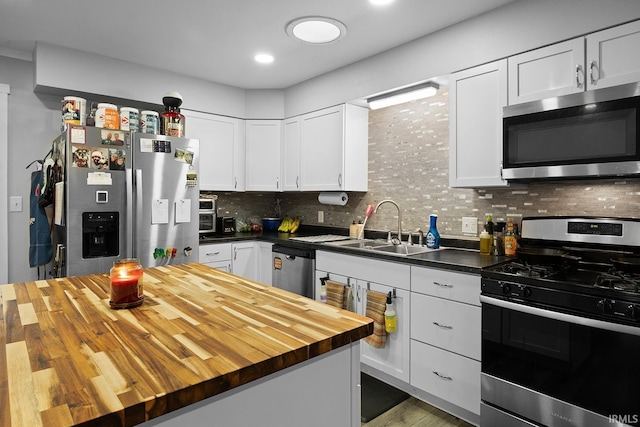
578, 73
593, 70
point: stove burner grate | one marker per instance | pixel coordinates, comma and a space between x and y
619, 280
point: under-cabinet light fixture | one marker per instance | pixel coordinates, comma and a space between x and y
406, 94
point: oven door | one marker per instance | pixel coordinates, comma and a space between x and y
542, 367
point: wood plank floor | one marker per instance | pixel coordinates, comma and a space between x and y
415, 413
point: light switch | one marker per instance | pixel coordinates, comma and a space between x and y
15, 204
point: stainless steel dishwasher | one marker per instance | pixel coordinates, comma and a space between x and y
294, 269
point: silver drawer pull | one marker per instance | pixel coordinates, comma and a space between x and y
442, 326
443, 285
444, 377
213, 253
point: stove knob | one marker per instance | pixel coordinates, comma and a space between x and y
506, 288
604, 305
633, 311
526, 291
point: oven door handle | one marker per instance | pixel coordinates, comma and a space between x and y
563, 317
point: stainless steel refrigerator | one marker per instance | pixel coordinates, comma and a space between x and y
124, 195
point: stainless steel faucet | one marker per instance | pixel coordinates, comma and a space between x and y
399, 218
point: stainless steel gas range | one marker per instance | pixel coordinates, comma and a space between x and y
561, 326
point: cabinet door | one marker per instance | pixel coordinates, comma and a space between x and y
263, 140
547, 72
244, 260
291, 154
222, 150
447, 375
265, 263
477, 97
612, 56
322, 150
393, 359
220, 265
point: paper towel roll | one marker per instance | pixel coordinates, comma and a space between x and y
333, 198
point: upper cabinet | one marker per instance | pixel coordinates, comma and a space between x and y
602, 59
291, 154
547, 72
263, 139
221, 145
476, 99
334, 149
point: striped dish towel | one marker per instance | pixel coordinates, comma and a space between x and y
376, 306
335, 293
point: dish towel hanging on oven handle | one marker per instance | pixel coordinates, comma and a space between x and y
376, 305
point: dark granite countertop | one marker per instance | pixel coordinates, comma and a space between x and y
455, 254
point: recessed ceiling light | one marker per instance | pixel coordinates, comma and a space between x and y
380, 2
316, 29
263, 58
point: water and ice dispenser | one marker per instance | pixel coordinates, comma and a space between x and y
100, 234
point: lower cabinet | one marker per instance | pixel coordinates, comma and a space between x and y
365, 275
217, 255
446, 335
250, 259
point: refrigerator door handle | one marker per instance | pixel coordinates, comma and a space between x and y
129, 214
138, 210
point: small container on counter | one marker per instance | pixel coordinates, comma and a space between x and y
510, 242
486, 242
433, 236
126, 283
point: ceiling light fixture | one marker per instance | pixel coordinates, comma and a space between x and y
316, 29
263, 58
380, 2
406, 94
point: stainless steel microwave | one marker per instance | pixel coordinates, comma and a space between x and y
590, 134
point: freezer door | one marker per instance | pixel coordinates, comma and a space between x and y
91, 221
164, 199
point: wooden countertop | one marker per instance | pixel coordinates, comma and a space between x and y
67, 358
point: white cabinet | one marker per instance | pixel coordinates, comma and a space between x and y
263, 141
291, 154
334, 149
612, 56
602, 59
222, 150
477, 97
547, 72
446, 335
393, 359
265, 263
244, 259
367, 274
217, 255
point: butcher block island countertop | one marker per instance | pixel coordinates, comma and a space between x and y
67, 358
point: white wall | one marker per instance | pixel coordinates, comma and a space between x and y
34, 118
514, 28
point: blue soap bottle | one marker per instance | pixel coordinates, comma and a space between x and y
433, 237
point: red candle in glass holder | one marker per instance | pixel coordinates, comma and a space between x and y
126, 284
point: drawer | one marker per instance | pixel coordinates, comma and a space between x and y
446, 284
447, 375
214, 252
446, 324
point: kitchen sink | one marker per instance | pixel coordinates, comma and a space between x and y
381, 246
360, 244
402, 249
